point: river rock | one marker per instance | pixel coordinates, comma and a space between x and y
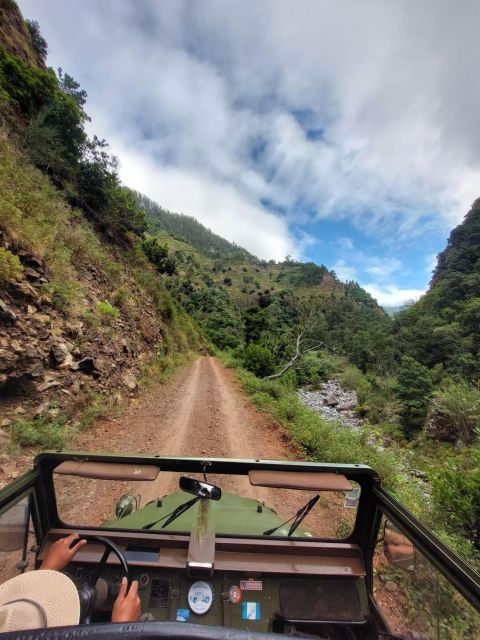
333, 402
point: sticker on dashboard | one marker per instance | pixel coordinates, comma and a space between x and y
251, 585
235, 594
183, 615
251, 611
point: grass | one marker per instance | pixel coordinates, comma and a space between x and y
44, 433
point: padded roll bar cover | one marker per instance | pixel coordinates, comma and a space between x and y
299, 480
140, 631
107, 470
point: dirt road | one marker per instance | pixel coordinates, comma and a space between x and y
201, 412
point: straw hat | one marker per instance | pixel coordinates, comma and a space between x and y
38, 599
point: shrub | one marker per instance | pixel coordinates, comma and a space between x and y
44, 433
10, 266
106, 311
459, 403
456, 496
258, 360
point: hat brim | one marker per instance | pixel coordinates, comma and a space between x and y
53, 591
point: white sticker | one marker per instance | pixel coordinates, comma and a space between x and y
200, 597
251, 585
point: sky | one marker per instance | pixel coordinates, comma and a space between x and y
342, 132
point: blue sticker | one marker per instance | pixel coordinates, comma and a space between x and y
183, 615
250, 611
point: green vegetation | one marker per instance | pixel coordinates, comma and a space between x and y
46, 433
10, 265
414, 388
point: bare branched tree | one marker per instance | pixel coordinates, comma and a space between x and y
306, 336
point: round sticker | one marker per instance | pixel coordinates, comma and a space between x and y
235, 594
200, 597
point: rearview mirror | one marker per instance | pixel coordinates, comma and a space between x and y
200, 489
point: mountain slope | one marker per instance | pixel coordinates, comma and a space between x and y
443, 328
190, 230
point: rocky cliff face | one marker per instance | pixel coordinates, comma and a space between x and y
51, 363
14, 35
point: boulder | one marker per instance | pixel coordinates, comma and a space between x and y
86, 365
347, 405
7, 314
6, 422
129, 381
4, 438
438, 425
58, 353
331, 401
19, 411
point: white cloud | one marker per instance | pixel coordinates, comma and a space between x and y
431, 262
390, 295
210, 110
344, 271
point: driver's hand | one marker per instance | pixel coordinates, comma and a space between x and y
127, 606
62, 552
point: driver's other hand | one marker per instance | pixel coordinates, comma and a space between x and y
62, 552
127, 607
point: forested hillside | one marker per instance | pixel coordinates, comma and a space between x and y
190, 230
442, 330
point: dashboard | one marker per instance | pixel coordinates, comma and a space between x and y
255, 585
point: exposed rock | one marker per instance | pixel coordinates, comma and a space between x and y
6, 422
87, 365
41, 409
391, 586
31, 273
24, 289
31, 310
129, 381
74, 388
58, 353
332, 402
438, 425
41, 318
347, 406
19, 411
68, 362
7, 314
47, 385
37, 370
4, 438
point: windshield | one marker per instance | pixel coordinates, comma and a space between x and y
243, 509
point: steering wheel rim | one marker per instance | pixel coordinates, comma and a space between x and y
87, 591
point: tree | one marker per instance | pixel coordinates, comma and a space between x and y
258, 360
306, 332
414, 388
159, 256
38, 41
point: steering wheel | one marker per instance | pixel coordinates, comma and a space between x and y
87, 591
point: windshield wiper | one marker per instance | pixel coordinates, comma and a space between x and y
173, 515
297, 518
